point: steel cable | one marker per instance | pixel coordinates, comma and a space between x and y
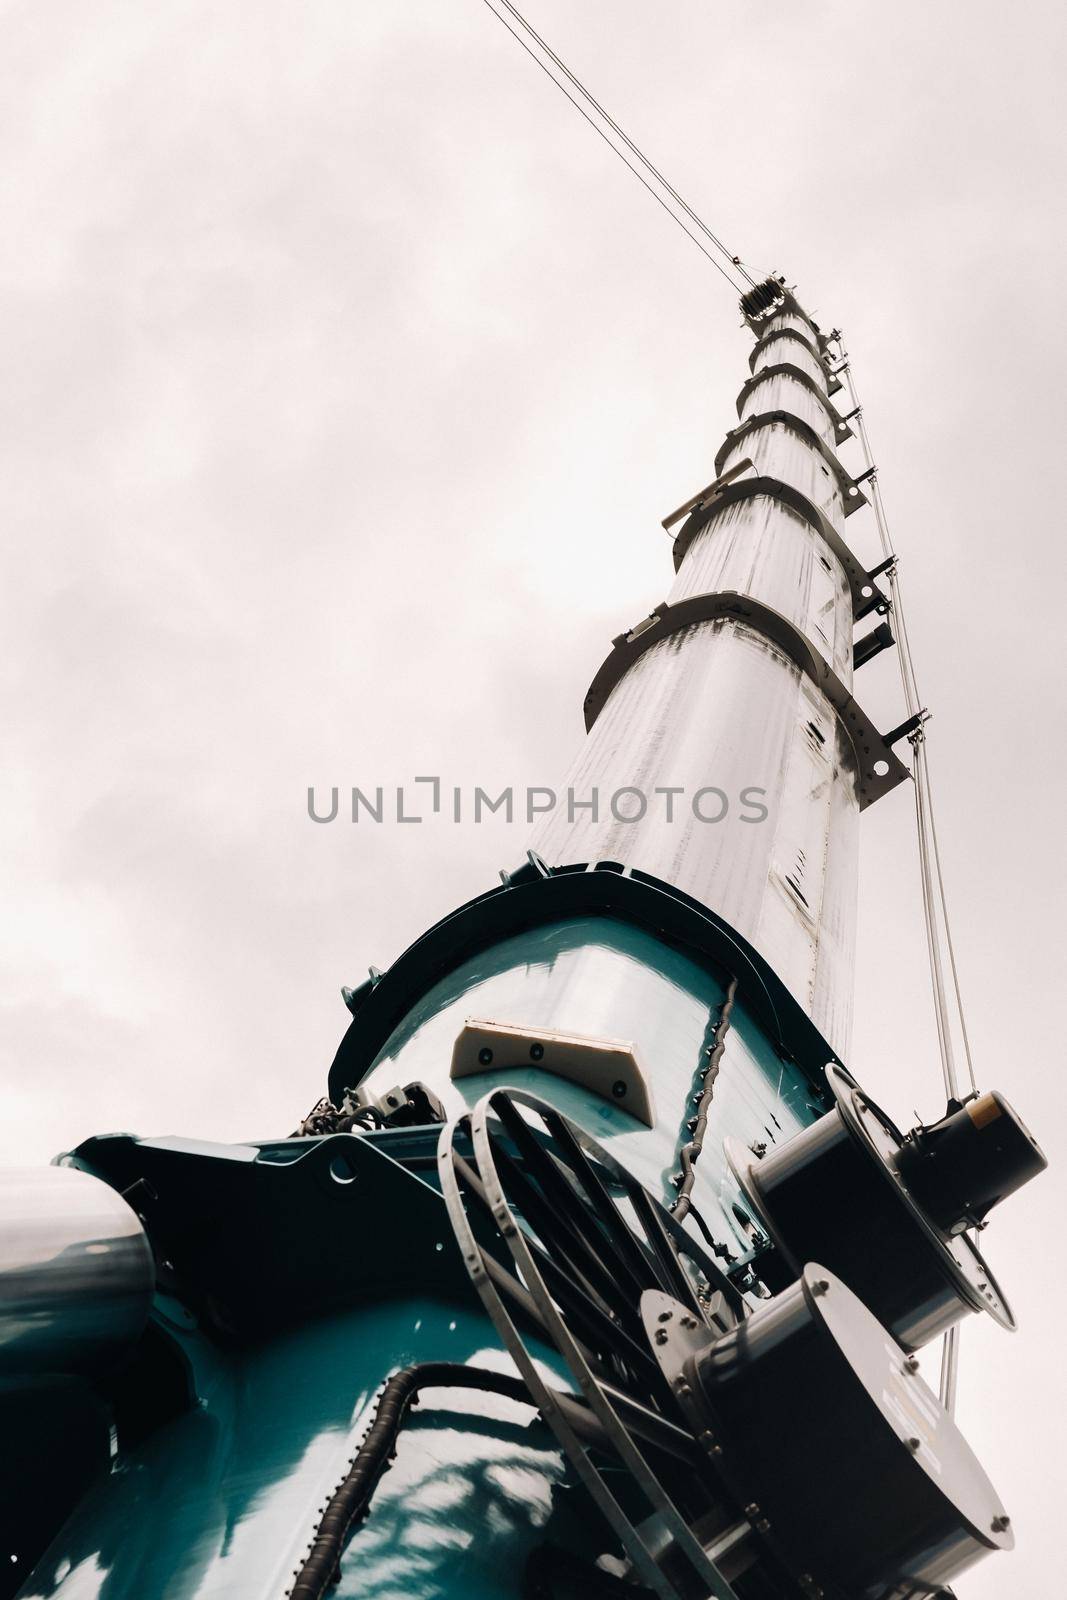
935, 902
739, 288
627, 141
934, 898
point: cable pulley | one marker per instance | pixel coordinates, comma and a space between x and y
887, 1211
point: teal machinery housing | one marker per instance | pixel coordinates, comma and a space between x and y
595, 1273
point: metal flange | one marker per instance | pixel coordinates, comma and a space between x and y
866, 595
833, 382
841, 428
852, 496
870, 748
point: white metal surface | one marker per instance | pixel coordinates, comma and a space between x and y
717, 707
763, 548
795, 351
76, 1273
783, 392
778, 451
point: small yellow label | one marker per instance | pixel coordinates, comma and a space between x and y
984, 1111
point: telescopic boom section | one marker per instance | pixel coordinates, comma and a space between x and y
725, 751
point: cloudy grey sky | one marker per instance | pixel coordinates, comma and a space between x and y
345, 378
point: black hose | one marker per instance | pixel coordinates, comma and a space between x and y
353, 1497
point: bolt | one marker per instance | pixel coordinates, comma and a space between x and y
752, 1510
485, 1056
914, 1444
537, 1052
820, 1286
758, 1147
682, 1387
689, 1322
665, 1316
618, 1089
911, 1364
661, 1336
1001, 1524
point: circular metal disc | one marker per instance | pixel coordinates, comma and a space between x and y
960, 1258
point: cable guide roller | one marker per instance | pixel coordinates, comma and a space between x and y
887, 1211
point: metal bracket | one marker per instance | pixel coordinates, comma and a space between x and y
851, 497
787, 368
705, 494
872, 644
909, 727
783, 333
871, 749
866, 596
606, 1067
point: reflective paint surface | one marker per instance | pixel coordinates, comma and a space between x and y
596, 976
718, 705
76, 1273
223, 1501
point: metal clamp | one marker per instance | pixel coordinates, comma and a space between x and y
866, 596
787, 369
851, 497
872, 751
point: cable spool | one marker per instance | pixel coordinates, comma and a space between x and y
885, 1211
871, 1490
973, 1158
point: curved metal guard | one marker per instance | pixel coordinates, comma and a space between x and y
783, 333
866, 596
786, 368
852, 497
554, 1229
870, 748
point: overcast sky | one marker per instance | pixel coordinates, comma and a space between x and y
345, 379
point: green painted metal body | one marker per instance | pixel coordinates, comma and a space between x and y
222, 1501
297, 1275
